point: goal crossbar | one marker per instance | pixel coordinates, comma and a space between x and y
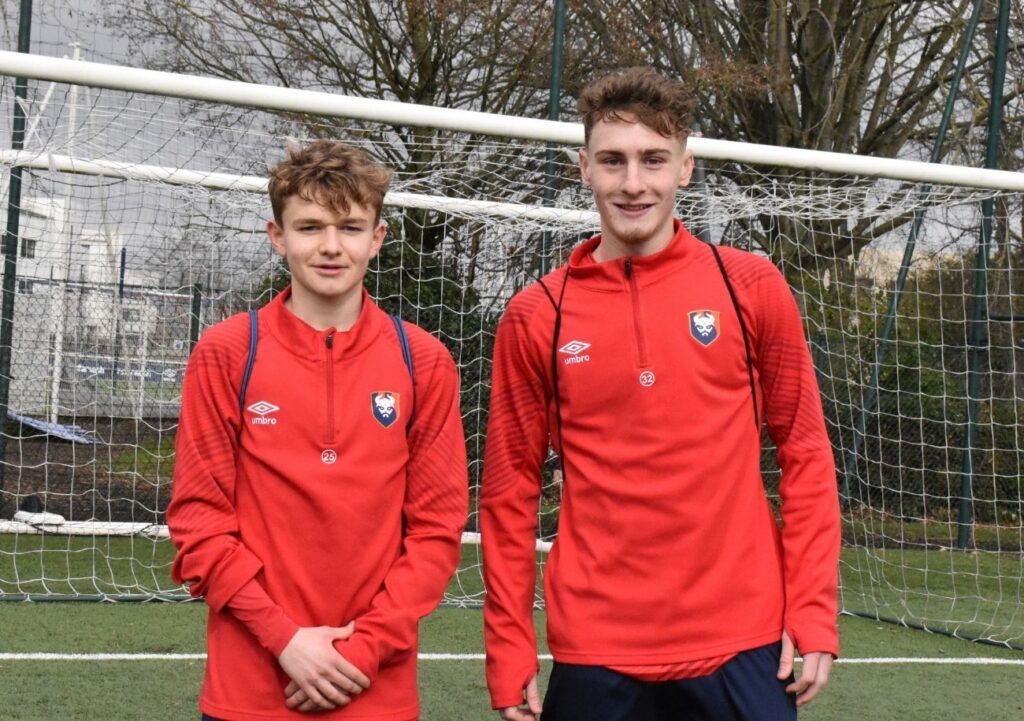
269, 97
257, 184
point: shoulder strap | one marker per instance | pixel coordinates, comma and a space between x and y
743, 330
254, 332
557, 305
403, 341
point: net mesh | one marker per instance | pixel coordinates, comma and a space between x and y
118, 272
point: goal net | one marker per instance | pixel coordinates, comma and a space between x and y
141, 222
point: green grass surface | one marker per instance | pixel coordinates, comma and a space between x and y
943, 530
152, 460
972, 594
82, 565
451, 690
984, 591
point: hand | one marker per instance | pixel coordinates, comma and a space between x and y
813, 675
321, 677
533, 707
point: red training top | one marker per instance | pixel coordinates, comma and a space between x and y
667, 549
320, 496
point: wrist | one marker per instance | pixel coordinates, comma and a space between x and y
361, 652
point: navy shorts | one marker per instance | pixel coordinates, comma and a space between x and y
744, 689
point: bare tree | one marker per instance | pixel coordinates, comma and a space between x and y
855, 76
488, 55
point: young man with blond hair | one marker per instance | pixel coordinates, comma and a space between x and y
320, 484
650, 361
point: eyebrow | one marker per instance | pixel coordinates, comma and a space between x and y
645, 151
347, 220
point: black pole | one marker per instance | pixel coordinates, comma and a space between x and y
554, 113
120, 275
115, 350
10, 245
977, 341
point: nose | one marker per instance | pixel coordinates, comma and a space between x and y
633, 181
330, 241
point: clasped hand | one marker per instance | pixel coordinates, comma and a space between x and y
322, 678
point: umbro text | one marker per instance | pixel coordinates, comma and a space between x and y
576, 359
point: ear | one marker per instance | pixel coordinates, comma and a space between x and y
276, 234
686, 172
378, 238
585, 167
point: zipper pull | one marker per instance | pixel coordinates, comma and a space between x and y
329, 340
629, 267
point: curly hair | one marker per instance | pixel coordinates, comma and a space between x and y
637, 95
329, 172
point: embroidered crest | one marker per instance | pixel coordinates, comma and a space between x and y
384, 405
704, 326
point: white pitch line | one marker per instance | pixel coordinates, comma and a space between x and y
945, 661
102, 656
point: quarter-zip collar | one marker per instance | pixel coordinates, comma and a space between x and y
608, 276
303, 340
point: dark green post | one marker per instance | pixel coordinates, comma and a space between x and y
193, 326
11, 237
115, 350
554, 113
882, 347
977, 339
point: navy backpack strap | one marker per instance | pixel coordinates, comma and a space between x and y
403, 341
254, 334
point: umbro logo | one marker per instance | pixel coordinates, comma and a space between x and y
263, 409
574, 349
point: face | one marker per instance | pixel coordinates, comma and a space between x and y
634, 172
327, 253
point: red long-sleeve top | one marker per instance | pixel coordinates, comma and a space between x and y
319, 495
667, 551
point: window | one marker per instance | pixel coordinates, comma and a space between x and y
27, 248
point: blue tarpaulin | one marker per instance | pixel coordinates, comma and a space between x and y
75, 434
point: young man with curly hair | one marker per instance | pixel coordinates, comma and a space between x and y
320, 484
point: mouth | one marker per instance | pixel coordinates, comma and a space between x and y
329, 269
634, 209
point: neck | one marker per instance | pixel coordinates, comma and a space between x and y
338, 313
612, 247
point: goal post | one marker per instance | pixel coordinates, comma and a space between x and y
143, 217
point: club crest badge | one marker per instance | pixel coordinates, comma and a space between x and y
704, 326
384, 405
